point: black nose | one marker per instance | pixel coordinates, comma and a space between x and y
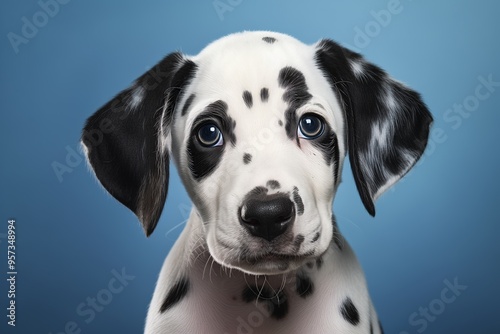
267, 216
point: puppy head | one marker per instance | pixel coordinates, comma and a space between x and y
258, 125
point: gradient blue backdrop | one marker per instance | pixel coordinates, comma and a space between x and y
441, 223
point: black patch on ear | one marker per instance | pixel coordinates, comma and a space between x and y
247, 158
277, 302
247, 97
364, 98
269, 40
264, 94
122, 139
175, 294
188, 103
203, 160
350, 312
273, 184
298, 201
296, 95
304, 285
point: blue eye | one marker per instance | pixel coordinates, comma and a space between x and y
310, 126
209, 135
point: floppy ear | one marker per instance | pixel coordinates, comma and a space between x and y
123, 143
387, 122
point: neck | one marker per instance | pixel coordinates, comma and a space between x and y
236, 289
227, 300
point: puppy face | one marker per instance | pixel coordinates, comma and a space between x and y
258, 125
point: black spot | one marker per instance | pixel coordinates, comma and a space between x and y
247, 158
188, 103
264, 94
249, 294
371, 327
247, 97
296, 95
316, 237
304, 286
277, 302
273, 184
297, 242
319, 262
294, 83
203, 160
179, 81
310, 264
298, 201
280, 123
278, 308
176, 293
269, 40
350, 312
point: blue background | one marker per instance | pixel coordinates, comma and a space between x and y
440, 223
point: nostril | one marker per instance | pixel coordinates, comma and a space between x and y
250, 221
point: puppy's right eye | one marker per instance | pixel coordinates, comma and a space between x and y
311, 126
209, 135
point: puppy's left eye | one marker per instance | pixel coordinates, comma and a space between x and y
310, 126
209, 135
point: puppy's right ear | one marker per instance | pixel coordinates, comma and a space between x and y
123, 141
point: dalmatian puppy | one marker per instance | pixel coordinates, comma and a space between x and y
258, 125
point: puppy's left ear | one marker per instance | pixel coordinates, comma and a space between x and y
387, 122
124, 140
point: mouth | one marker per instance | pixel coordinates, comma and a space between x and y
276, 257
272, 263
